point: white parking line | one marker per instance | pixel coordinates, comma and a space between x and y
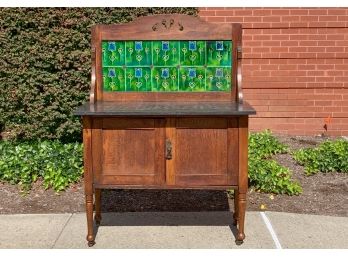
271, 230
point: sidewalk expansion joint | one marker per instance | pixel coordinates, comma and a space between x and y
61, 232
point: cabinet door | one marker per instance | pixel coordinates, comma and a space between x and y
128, 151
205, 152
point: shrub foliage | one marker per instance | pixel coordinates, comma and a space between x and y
60, 164
266, 174
45, 66
330, 156
56, 163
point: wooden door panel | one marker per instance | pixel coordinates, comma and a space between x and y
201, 151
204, 149
130, 151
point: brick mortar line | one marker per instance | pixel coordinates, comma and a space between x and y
283, 58
294, 117
283, 27
248, 28
288, 117
291, 87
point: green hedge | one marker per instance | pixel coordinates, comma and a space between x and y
45, 66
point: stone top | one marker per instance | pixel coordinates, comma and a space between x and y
165, 109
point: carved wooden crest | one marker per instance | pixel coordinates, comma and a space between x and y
167, 24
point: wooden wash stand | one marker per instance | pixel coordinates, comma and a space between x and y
166, 110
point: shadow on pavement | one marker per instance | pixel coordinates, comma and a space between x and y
220, 218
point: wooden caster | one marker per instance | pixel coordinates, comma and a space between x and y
91, 243
240, 238
239, 242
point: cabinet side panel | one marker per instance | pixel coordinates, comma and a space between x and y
97, 150
233, 145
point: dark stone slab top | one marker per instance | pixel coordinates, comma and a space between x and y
163, 109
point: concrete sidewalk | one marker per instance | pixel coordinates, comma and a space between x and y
174, 230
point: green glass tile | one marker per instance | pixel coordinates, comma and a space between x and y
165, 53
113, 79
113, 53
192, 53
138, 79
166, 66
218, 79
219, 53
164, 79
138, 53
192, 79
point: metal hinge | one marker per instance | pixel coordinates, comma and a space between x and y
239, 52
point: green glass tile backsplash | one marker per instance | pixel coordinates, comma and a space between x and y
166, 66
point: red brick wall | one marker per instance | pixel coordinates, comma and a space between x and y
295, 66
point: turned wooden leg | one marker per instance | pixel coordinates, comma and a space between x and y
97, 216
241, 217
242, 175
88, 176
89, 212
235, 214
